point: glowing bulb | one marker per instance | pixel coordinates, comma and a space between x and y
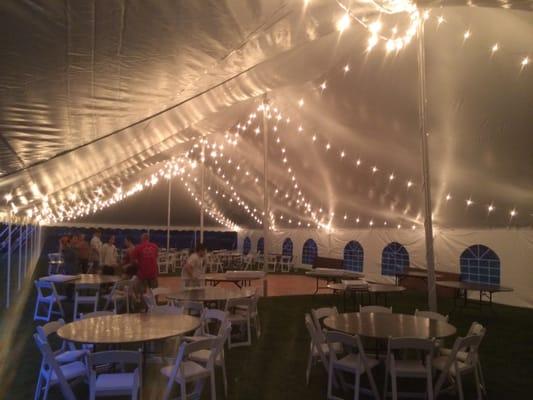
375, 27
300, 104
448, 197
257, 130
342, 154
524, 62
300, 128
490, 208
346, 68
409, 184
8, 197
440, 19
357, 220
390, 45
391, 177
374, 170
343, 23
328, 146
372, 41
314, 138
371, 223
323, 85
512, 213
466, 35
469, 202
358, 162
495, 48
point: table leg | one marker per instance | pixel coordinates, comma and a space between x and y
316, 290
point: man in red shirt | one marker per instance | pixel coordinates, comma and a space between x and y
146, 255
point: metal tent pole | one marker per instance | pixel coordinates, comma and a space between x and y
266, 203
20, 259
8, 280
428, 223
168, 220
26, 248
202, 193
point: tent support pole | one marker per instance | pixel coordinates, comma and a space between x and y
168, 218
202, 194
19, 279
8, 280
266, 204
428, 223
26, 263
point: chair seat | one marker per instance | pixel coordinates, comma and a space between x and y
190, 369
351, 362
86, 299
121, 382
197, 338
202, 356
461, 355
410, 368
51, 298
72, 370
440, 364
70, 356
337, 347
237, 318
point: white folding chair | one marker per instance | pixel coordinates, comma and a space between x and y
67, 352
375, 309
115, 383
185, 370
418, 367
241, 319
55, 263
254, 312
120, 294
151, 297
475, 329
52, 374
318, 348
209, 317
247, 262
431, 315
194, 308
272, 263
85, 294
47, 296
202, 356
285, 263
352, 360
165, 309
453, 368
319, 314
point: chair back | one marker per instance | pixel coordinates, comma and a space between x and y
319, 314
165, 309
431, 315
468, 345
375, 309
90, 287
232, 303
96, 314
114, 357
194, 308
317, 339
476, 329
49, 328
45, 288
350, 344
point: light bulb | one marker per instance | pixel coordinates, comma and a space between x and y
343, 23
466, 35
495, 48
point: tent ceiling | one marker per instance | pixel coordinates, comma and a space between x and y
96, 94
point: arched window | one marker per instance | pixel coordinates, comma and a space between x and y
353, 256
261, 245
480, 264
286, 248
309, 252
246, 245
394, 259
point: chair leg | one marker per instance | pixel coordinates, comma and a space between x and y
257, 326
39, 387
330, 382
224, 376
357, 385
481, 378
429, 385
309, 363
385, 384
459, 384
373, 384
478, 384
183, 390
213, 385
168, 389
75, 316
394, 384
50, 309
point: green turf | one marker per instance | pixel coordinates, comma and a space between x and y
274, 367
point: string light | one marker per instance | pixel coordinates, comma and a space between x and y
524, 62
495, 48
343, 23
346, 68
467, 35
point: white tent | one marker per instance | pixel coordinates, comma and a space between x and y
101, 101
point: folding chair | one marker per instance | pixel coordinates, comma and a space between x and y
185, 370
241, 318
375, 309
453, 367
419, 366
319, 314
47, 296
120, 293
114, 383
431, 315
85, 294
66, 352
52, 374
351, 360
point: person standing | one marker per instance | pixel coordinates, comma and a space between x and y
192, 272
109, 257
70, 256
96, 248
83, 253
129, 264
145, 253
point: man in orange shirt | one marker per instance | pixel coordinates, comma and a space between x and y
146, 255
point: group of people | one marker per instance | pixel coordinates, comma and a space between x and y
80, 256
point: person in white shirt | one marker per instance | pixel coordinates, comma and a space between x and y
96, 249
192, 273
109, 257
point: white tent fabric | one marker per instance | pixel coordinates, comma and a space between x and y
97, 96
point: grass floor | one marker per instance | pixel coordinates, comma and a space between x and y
274, 366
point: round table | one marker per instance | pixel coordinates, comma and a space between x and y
209, 293
82, 279
370, 289
127, 328
383, 326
